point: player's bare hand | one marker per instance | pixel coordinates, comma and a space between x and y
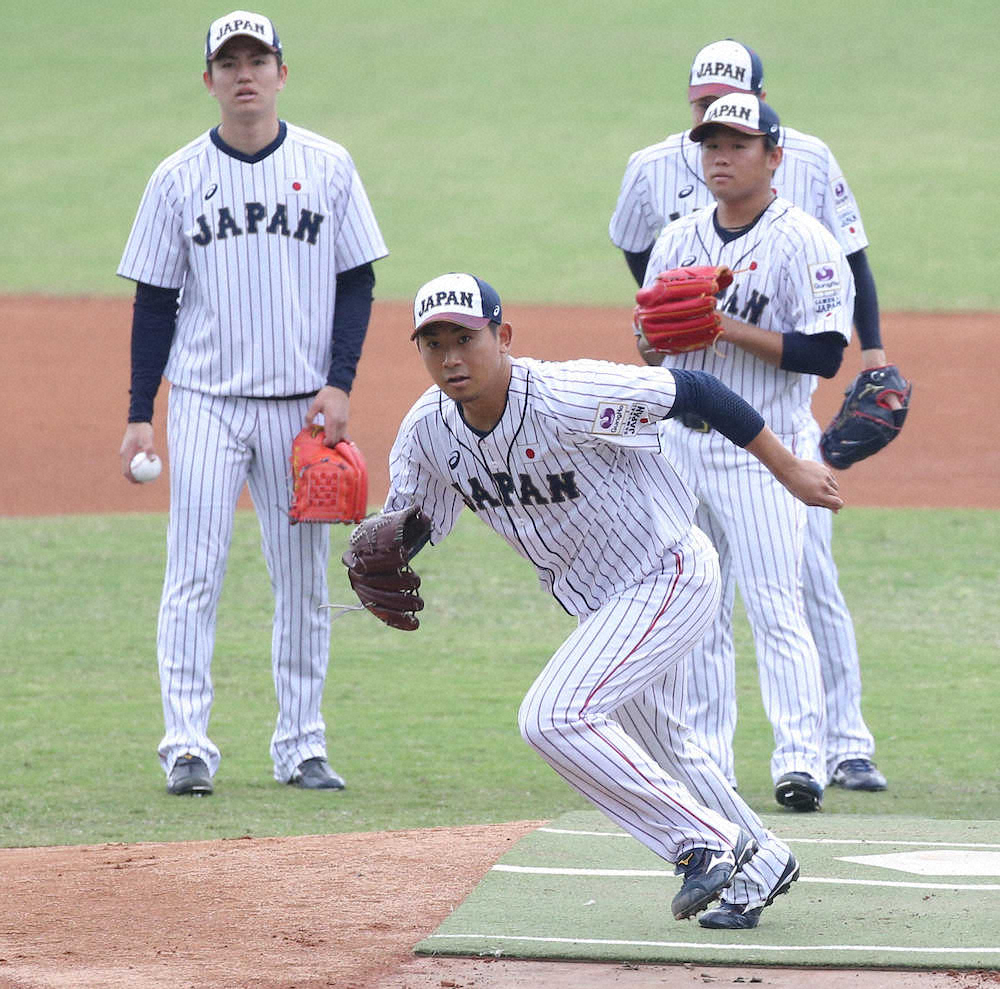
138, 436
875, 357
652, 357
814, 484
334, 405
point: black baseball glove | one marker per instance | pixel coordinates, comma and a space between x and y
866, 422
378, 565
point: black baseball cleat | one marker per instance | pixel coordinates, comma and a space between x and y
746, 916
859, 774
799, 791
707, 873
316, 774
189, 777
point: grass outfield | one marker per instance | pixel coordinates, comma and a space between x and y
493, 137
423, 725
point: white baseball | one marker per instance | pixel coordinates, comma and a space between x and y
145, 468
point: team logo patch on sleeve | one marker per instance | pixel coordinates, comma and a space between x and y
620, 419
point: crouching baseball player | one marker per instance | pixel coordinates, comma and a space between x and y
563, 460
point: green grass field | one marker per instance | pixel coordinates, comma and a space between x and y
423, 725
493, 137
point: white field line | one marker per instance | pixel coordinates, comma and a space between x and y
539, 870
803, 841
910, 949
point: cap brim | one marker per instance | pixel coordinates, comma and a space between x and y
698, 133
714, 89
241, 34
459, 318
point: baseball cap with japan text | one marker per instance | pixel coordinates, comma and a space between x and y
456, 298
725, 67
739, 111
241, 23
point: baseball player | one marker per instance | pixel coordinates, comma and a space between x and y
563, 461
786, 318
665, 181
252, 254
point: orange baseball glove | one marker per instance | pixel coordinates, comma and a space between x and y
677, 312
328, 485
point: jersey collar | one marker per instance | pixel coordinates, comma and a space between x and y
259, 155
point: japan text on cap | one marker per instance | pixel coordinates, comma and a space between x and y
456, 298
740, 111
241, 23
725, 67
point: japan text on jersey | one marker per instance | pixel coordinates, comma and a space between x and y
569, 476
256, 218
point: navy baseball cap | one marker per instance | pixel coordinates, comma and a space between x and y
456, 298
241, 23
725, 67
740, 111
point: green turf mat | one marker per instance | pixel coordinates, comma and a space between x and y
579, 889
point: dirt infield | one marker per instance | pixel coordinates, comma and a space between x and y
345, 910
64, 385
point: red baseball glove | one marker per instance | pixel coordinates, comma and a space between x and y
328, 484
677, 312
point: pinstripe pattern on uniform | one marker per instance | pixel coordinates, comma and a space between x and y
568, 714
588, 510
758, 529
640, 612
655, 719
755, 524
254, 243
847, 735
665, 181
774, 289
257, 268
216, 445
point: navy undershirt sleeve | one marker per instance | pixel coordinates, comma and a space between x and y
637, 262
705, 395
866, 320
350, 323
154, 318
812, 353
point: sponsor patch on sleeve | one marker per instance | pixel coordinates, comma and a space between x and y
620, 419
825, 280
841, 192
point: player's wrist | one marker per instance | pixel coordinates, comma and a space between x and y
872, 358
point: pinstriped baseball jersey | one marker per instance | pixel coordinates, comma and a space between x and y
791, 276
572, 476
665, 182
255, 243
